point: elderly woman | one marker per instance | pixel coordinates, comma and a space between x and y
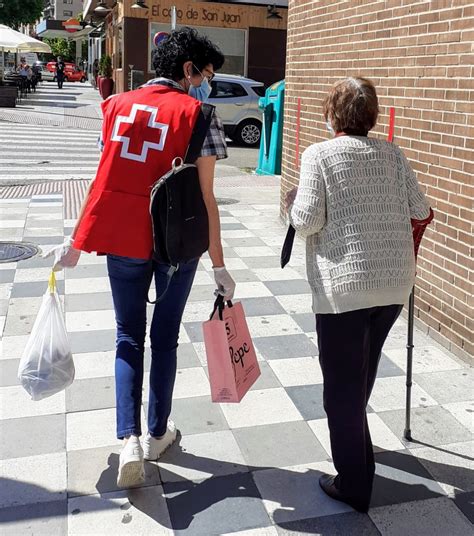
355, 201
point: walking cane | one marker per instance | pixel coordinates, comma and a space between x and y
409, 383
418, 228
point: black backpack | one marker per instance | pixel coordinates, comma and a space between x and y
178, 213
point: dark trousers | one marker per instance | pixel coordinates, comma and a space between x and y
130, 280
350, 346
60, 80
26, 84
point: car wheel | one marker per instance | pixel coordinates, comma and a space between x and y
65, 79
83, 80
248, 133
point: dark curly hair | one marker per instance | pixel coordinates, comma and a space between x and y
183, 45
352, 106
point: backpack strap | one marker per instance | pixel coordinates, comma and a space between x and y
199, 133
169, 275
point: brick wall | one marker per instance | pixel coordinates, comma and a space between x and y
420, 55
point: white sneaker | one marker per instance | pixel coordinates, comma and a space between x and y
154, 448
131, 470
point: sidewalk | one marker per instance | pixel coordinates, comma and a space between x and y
75, 106
250, 469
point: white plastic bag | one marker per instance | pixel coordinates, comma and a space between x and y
47, 366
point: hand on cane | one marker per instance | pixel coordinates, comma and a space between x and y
290, 198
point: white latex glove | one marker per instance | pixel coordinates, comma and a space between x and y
65, 256
290, 197
225, 283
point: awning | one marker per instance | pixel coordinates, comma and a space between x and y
18, 42
53, 28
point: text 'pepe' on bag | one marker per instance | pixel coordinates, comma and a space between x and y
231, 357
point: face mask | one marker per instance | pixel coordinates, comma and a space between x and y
202, 92
330, 129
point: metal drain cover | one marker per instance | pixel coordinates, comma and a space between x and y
16, 251
226, 201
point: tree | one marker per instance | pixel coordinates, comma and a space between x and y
16, 12
62, 47
105, 66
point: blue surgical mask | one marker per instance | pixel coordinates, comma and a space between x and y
330, 129
202, 92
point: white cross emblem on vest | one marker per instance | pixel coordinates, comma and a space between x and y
125, 140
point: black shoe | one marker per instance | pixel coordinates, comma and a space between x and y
328, 485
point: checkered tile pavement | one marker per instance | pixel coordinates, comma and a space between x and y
248, 469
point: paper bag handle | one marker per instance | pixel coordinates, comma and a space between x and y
220, 304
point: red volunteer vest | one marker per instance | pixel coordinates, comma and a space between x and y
143, 131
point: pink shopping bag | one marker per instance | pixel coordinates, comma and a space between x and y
231, 358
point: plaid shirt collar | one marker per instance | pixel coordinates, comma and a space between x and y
164, 82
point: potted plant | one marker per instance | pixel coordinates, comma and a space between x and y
106, 83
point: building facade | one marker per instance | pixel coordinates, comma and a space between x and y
62, 9
419, 55
252, 37
55, 14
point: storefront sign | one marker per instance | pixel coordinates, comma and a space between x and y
206, 14
201, 15
72, 25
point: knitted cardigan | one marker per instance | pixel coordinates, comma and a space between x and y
355, 199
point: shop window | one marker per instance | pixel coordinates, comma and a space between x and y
231, 41
226, 90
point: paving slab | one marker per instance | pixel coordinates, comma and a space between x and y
32, 436
429, 426
434, 517
33, 479
137, 511
215, 506
279, 445
350, 523
38, 519
293, 493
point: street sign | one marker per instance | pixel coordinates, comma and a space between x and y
159, 37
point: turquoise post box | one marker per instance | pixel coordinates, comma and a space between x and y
269, 159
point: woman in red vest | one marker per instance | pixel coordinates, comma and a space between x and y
143, 131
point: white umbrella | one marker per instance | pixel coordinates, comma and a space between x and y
16, 41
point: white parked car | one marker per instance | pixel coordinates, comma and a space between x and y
236, 99
47, 76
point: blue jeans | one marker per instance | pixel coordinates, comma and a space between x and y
130, 280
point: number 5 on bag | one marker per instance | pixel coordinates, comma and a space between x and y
231, 358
